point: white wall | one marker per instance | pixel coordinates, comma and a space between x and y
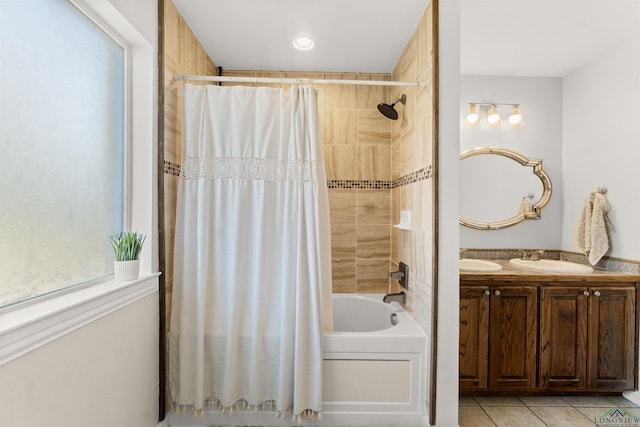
448, 211
540, 137
601, 145
104, 374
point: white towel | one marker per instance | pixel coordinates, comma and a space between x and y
592, 236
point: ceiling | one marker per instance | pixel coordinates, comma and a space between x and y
548, 38
349, 35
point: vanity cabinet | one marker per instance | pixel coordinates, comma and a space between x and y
555, 335
498, 337
474, 337
587, 337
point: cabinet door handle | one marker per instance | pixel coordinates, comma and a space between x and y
596, 293
586, 293
497, 293
487, 292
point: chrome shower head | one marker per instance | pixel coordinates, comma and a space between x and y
388, 110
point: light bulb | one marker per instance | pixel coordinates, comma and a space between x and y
515, 116
493, 116
473, 116
303, 43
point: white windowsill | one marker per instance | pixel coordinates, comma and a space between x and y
27, 328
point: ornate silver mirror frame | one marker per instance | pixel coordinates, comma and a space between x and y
536, 208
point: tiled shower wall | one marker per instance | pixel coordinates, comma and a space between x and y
412, 148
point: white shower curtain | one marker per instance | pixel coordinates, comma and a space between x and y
252, 271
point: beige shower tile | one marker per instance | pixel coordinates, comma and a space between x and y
470, 416
402, 157
373, 128
408, 67
168, 300
170, 199
340, 96
343, 241
185, 44
374, 162
423, 143
171, 30
406, 114
420, 248
513, 416
210, 68
339, 126
370, 96
271, 75
562, 417
396, 237
169, 243
424, 41
374, 207
342, 205
201, 60
402, 246
341, 161
371, 276
343, 274
373, 241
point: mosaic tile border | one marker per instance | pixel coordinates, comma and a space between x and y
417, 176
171, 168
365, 184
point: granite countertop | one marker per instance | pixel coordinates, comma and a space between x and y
510, 272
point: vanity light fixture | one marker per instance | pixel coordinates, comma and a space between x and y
473, 115
516, 118
303, 43
493, 116
489, 114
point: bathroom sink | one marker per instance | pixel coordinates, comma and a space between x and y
551, 266
478, 265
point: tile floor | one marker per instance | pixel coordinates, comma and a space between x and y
538, 411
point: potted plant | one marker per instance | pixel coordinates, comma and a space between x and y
126, 247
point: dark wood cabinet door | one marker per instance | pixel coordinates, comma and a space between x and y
612, 333
474, 337
563, 337
513, 337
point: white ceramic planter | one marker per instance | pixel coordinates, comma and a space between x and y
126, 270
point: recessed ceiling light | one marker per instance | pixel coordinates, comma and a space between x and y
303, 43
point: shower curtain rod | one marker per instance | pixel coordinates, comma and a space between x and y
297, 81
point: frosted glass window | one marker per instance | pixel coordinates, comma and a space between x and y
61, 148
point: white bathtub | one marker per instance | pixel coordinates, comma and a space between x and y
374, 373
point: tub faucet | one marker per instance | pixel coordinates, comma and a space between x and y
400, 297
532, 255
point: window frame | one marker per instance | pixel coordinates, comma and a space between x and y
28, 325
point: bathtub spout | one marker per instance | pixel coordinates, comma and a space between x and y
400, 297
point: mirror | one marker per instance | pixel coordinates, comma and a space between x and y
498, 190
